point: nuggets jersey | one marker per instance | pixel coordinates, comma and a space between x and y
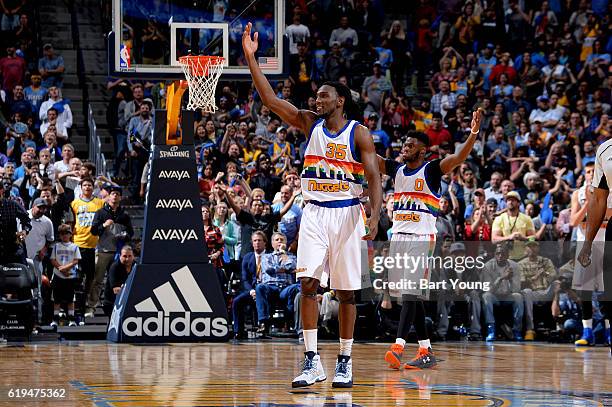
332, 168
84, 212
415, 203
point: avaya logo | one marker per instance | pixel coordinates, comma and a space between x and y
163, 324
178, 175
175, 234
179, 204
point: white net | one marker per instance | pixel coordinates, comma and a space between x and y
202, 75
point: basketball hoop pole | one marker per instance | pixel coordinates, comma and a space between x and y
173, 107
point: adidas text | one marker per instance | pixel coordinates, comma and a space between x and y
175, 234
179, 204
163, 325
178, 175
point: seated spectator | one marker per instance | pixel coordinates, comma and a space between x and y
504, 281
118, 273
537, 275
51, 68
251, 276
277, 281
51, 125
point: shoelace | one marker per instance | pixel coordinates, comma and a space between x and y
307, 365
342, 369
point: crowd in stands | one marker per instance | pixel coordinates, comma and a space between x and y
540, 70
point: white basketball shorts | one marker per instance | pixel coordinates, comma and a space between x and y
330, 245
411, 273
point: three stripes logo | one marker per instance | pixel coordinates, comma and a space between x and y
174, 316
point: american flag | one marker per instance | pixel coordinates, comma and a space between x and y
268, 63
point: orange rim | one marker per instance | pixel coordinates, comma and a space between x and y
198, 64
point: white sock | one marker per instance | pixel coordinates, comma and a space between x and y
346, 345
310, 340
587, 323
400, 341
424, 344
607, 323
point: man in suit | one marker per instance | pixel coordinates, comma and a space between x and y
251, 275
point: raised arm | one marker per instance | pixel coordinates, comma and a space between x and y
450, 162
302, 119
364, 143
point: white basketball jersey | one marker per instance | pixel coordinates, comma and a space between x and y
415, 205
332, 172
581, 230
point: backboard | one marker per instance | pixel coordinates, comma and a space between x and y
148, 36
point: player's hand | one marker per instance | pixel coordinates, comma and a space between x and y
584, 257
371, 228
476, 119
249, 45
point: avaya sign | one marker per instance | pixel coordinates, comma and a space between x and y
179, 204
178, 175
175, 234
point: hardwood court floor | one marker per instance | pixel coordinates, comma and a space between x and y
259, 374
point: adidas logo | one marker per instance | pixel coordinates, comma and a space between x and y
163, 324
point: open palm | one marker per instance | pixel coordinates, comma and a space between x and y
249, 45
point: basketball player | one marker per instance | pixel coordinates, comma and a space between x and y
415, 208
339, 153
597, 204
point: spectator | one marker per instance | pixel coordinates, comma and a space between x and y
35, 94
113, 227
214, 243
40, 237
117, 276
61, 106
344, 35
84, 208
281, 152
504, 281
375, 88
52, 124
277, 281
251, 276
67, 154
256, 219
335, 64
51, 68
289, 224
537, 275
444, 100
297, 33
12, 67
513, 227
437, 133
494, 189
65, 259
264, 178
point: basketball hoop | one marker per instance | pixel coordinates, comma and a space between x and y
202, 73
